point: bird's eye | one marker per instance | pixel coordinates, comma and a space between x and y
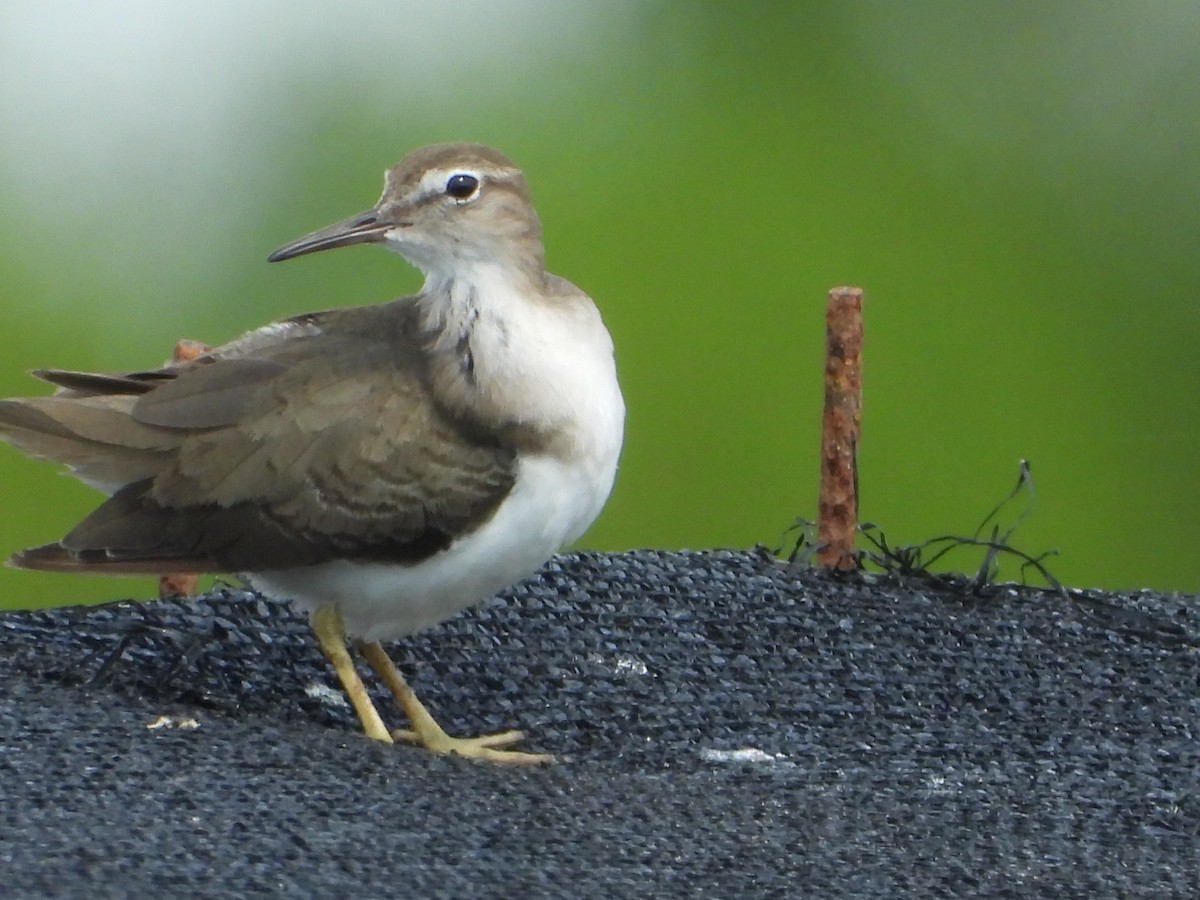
462, 187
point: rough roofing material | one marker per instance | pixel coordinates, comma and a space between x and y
728, 726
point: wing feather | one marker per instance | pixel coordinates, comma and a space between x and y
309, 440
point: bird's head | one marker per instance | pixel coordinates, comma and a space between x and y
444, 207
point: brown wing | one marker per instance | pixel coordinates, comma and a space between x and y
306, 441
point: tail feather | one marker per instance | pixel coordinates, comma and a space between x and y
96, 439
91, 384
57, 558
100, 420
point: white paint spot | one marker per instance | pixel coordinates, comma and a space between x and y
743, 755
620, 663
180, 724
327, 695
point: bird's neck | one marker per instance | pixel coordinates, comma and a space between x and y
520, 273
477, 320
516, 354
471, 308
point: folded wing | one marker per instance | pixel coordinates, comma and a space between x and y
309, 440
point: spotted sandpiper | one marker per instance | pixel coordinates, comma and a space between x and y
382, 466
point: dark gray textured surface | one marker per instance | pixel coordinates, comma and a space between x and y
900, 741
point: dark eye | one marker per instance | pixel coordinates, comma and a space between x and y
460, 187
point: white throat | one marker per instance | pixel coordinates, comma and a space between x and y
529, 355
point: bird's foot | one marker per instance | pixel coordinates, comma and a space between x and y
483, 747
427, 733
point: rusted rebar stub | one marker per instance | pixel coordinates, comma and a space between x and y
837, 508
176, 584
187, 350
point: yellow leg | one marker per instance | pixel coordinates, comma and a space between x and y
428, 733
331, 635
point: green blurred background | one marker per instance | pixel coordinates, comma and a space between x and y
1015, 185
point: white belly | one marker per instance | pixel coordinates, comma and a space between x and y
552, 503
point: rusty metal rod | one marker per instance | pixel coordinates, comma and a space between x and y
178, 584
837, 508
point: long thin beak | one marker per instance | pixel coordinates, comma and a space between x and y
361, 229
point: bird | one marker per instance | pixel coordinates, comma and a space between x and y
382, 466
